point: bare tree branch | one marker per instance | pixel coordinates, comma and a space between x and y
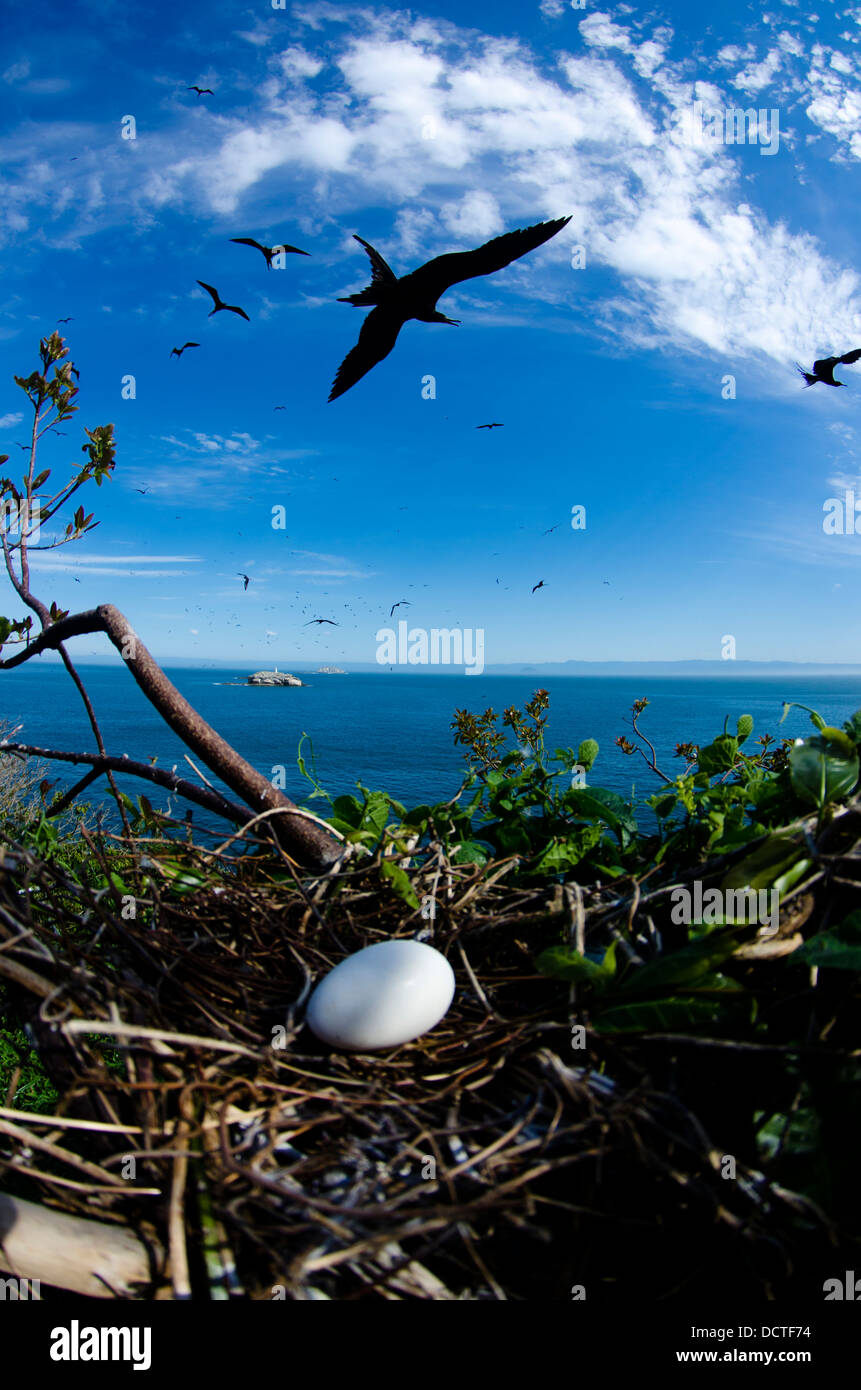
308, 842
160, 777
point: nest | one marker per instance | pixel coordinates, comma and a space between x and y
489, 1159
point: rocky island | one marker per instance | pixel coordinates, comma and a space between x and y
275, 677
330, 671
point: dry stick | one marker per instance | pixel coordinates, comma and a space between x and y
71, 1252
97, 734
211, 801
312, 845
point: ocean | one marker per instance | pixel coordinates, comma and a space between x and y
392, 731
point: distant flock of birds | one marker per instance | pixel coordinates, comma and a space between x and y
394, 300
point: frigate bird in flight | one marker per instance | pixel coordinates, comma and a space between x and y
552, 528
142, 490
497, 425
65, 320
321, 620
404, 603
539, 585
177, 352
394, 300
201, 91
246, 577
219, 302
268, 251
823, 370
280, 407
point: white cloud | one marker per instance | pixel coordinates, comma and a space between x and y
426, 118
6, 421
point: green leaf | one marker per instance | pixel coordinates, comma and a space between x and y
400, 883
684, 967
664, 1015
767, 863
839, 948
744, 727
470, 852
718, 756
596, 803
348, 810
822, 769
587, 753
375, 812
564, 963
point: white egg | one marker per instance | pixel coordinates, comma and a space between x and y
382, 996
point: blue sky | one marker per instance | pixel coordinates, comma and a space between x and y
424, 131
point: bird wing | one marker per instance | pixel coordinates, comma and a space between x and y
235, 309
248, 241
378, 335
381, 273
850, 357
442, 272
283, 246
185, 345
209, 290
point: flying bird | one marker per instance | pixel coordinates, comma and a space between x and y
177, 352
142, 490
404, 603
268, 251
246, 577
551, 528
321, 620
496, 425
393, 300
823, 370
201, 91
539, 585
219, 302
65, 320
280, 407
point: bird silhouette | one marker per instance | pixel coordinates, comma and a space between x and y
404, 603
280, 407
65, 320
177, 352
393, 301
246, 577
142, 490
201, 91
823, 370
268, 251
496, 425
219, 302
551, 528
539, 585
321, 620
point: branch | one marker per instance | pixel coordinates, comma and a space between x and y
99, 763
313, 846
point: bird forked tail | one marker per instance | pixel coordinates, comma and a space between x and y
809, 378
